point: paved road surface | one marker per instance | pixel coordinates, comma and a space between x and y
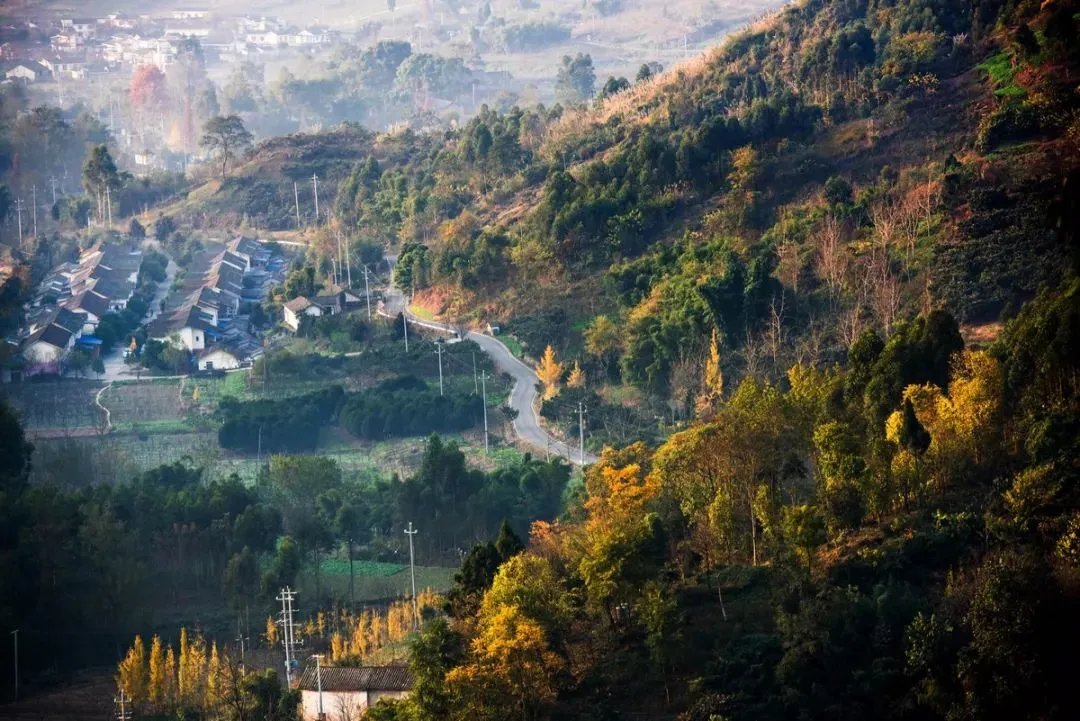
115, 368
523, 395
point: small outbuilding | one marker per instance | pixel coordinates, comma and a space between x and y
348, 692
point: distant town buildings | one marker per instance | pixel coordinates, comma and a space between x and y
71, 47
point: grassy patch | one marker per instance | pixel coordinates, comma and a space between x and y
1002, 75
340, 567
513, 345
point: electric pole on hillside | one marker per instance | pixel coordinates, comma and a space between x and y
348, 263
123, 712
108, 200
315, 184
410, 532
340, 266
581, 411
33, 201
439, 352
352, 599
18, 212
483, 385
405, 323
52, 182
241, 638
286, 597
367, 291
296, 200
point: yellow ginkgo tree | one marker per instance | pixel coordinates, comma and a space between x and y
549, 371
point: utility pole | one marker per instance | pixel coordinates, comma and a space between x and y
52, 182
439, 352
18, 212
475, 380
341, 271
367, 291
405, 324
241, 638
483, 385
348, 263
108, 200
296, 199
33, 196
315, 184
581, 411
123, 713
318, 683
352, 600
15, 633
410, 532
286, 597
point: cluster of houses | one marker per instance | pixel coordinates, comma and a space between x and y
207, 320
72, 48
71, 301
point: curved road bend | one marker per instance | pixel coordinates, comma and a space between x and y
522, 395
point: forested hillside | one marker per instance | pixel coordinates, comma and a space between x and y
830, 273
840, 166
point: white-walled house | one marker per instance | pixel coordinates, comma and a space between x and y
218, 358
45, 349
296, 309
187, 324
348, 692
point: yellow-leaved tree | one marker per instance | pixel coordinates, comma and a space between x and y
549, 371
576, 379
712, 385
170, 695
212, 698
156, 682
271, 632
131, 675
510, 660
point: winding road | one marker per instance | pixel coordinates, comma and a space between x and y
523, 395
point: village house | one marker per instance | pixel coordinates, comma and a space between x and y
187, 326
27, 72
348, 692
217, 358
296, 309
44, 350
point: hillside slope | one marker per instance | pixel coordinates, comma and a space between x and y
839, 166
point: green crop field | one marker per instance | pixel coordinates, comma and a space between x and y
56, 405
340, 567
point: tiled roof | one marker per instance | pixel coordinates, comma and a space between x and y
51, 334
91, 302
364, 678
298, 304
